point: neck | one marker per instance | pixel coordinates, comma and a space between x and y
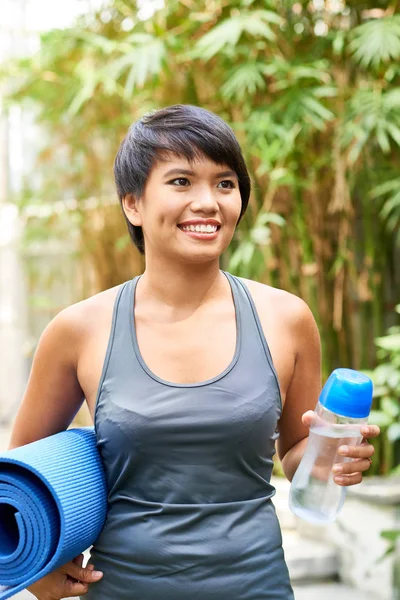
180, 285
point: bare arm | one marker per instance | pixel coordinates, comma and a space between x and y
53, 395
52, 398
301, 398
304, 388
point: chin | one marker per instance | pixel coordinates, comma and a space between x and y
198, 255
198, 258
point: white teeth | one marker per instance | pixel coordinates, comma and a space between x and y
200, 228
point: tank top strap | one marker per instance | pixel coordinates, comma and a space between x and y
118, 358
253, 338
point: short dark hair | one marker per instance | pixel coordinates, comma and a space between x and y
182, 129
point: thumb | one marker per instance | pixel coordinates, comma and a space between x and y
308, 418
82, 574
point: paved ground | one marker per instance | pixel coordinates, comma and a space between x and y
329, 591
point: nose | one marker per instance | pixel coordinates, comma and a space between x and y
205, 201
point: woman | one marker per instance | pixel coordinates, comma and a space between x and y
189, 375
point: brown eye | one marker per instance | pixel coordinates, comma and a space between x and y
230, 185
182, 182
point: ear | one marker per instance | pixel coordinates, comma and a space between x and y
130, 204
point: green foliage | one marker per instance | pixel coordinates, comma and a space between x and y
313, 95
248, 260
390, 212
386, 379
392, 536
377, 41
373, 115
226, 35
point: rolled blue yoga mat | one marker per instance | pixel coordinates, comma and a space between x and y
53, 504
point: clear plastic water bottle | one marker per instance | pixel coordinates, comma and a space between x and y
343, 407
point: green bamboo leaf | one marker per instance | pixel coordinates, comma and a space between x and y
384, 188
389, 406
382, 139
390, 534
141, 61
389, 342
395, 472
228, 32
310, 72
247, 252
338, 43
246, 80
392, 99
393, 432
392, 224
277, 174
325, 92
393, 131
94, 40
391, 204
269, 16
260, 235
379, 418
317, 108
235, 259
357, 148
268, 217
254, 25
380, 390
86, 91
376, 41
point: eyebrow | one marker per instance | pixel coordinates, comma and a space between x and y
189, 172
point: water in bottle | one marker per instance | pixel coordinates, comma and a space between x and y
343, 407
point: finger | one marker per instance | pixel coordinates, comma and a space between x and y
346, 480
361, 451
311, 419
78, 560
355, 466
75, 588
84, 575
308, 418
370, 431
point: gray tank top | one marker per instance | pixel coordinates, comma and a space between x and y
188, 468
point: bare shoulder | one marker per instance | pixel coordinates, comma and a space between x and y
289, 308
87, 311
74, 323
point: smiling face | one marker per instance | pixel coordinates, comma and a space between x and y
188, 210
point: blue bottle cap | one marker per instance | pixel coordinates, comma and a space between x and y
348, 393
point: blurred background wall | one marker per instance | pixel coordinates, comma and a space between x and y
21, 23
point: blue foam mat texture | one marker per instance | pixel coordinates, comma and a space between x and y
53, 504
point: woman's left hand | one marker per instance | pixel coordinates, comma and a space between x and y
350, 472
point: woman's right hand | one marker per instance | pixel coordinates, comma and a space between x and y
69, 580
